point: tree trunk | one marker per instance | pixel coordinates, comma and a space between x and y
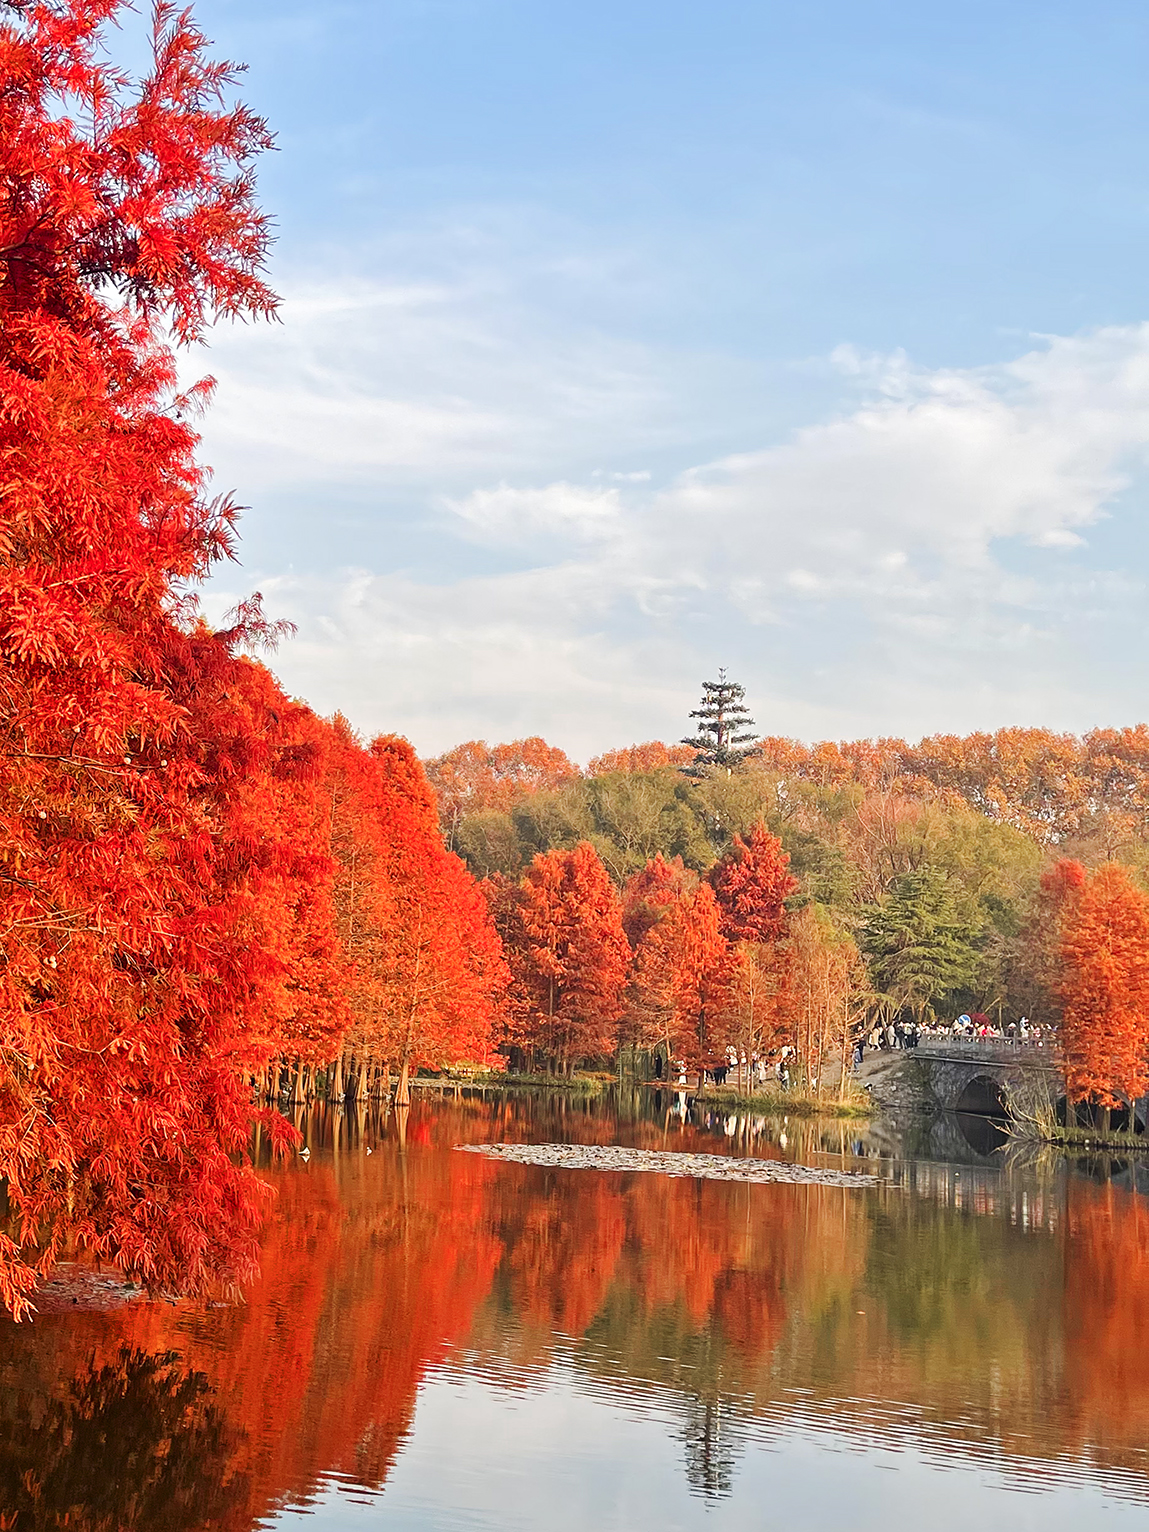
335, 1087
403, 1091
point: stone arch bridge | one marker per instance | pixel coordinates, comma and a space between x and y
991, 1078
994, 1078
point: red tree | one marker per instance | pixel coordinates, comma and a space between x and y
426, 965
127, 983
680, 974
752, 883
568, 955
1105, 990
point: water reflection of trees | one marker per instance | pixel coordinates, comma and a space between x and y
137, 1443
1002, 1320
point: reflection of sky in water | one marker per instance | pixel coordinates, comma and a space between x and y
560, 1455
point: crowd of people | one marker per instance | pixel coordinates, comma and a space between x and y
761, 1072
966, 1028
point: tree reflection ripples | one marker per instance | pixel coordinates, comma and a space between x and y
1003, 1325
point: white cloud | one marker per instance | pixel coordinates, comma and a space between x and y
508, 515
443, 385
918, 560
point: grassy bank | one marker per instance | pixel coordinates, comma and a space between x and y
1079, 1138
784, 1103
576, 1084
769, 1103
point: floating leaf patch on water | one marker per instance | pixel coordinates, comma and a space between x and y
705, 1167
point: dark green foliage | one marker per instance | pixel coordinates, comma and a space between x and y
489, 843
918, 949
726, 732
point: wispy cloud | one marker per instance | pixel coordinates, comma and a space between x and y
919, 558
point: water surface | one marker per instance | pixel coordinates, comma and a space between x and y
440, 1341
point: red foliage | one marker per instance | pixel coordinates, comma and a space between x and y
681, 967
752, 883
133, 896
426, 967
564, 940
1105, 989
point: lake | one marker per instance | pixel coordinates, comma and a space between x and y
441, 1341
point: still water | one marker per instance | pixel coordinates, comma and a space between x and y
439, 1341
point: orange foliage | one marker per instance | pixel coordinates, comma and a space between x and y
475, 777
1106, 1316
1051, 786
1105, 990
825, 971
653, 756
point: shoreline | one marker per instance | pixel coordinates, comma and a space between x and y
768, 1103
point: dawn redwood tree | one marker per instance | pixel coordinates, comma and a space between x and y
678, 994
761, 1008
1033, 970
444, 956
568, 955
751, 883
267, 754
126, 987
654, 923
1105, 991
426, 972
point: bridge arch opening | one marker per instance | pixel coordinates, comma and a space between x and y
982, 1097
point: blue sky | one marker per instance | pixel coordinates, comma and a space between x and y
623, 341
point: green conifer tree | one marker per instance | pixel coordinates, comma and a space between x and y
725, 730
917, 946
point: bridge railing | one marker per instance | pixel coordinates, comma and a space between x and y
1004, 1048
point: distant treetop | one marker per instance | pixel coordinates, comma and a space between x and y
652, 756
726, 730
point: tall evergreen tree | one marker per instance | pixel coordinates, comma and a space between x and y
917, 946
725, 730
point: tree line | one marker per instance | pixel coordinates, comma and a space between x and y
207, 893
996, 875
